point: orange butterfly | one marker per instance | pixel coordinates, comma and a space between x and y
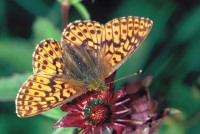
89, 53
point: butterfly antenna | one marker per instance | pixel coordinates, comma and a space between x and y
138, 72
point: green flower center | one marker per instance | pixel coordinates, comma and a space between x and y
97, 112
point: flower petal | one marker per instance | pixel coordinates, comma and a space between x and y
147, 81
74, 119
87, 129
68, 107
132, 88
119, 94
118, 127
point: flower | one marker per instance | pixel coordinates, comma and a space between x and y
97, 111
129, 110
145, 117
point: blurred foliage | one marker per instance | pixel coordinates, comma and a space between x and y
10, 84
170, 53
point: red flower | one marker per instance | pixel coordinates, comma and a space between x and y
95, 112
129, 110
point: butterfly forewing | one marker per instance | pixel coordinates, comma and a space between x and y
123, 36
43, 92
86, 34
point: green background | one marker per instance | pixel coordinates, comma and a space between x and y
171, 53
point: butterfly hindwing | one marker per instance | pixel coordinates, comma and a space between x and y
47, 58
43, 92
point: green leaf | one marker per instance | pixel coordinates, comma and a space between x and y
82, 10
69, 1
55, 113
11, 124
43, 29
10, 86
171, 126
189, 27
3, 16
186, 101
194, 125
36, 7
191, 57
64, 131
75, 1
17, 53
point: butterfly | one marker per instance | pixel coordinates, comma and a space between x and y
89, 53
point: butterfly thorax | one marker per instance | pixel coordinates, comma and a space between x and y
98, 85
83, 65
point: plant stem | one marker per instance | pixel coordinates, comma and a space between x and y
65, 13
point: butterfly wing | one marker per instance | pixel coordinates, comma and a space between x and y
83, 41
50, 85
47, 58
42, 92
86, 34
122, 38
110, 44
